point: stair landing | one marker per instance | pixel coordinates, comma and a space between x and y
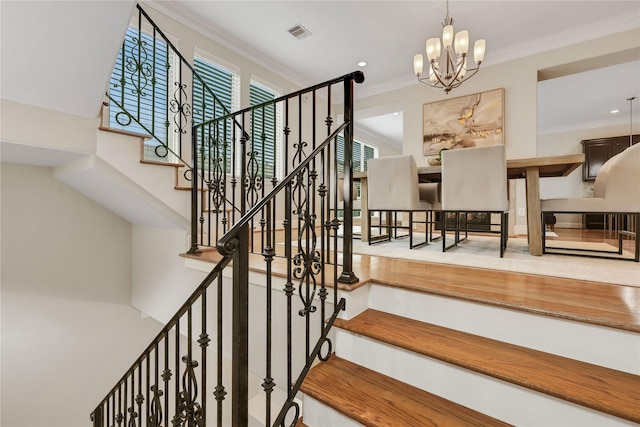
603, 304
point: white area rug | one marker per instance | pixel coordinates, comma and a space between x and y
483, 251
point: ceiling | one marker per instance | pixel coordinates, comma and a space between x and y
387, 34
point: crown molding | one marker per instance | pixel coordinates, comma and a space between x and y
567, 38
226, 40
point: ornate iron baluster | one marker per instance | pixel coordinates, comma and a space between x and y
268, 253
166, 374
181, 109
203, 341
155, 417
176, 420
189, 409
220, 391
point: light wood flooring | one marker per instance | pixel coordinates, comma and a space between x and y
604, 304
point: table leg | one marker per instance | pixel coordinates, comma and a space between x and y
364, 212
534, 221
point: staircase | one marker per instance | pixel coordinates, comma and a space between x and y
414, 344
414, 351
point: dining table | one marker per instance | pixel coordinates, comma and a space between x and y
530, 169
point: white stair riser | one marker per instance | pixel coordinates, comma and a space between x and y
499, 399
609, 347
316, 414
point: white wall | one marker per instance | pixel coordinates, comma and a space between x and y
161, 284
68, 332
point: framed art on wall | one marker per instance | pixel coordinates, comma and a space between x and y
466, 121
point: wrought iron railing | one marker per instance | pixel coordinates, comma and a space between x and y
150, 90
233, 158
235, 341
245, 339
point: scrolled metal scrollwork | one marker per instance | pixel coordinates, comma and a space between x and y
123, 118
137, 64
289, 405
155, 415
253, 181
216, 183
329, 348
189, 410
133, 415
180, 109
308, 262
299, 185
161, 150
188, 174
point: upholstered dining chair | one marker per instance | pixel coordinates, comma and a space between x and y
393, 187
474, 180
616, 191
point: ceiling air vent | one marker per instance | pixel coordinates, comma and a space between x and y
299, 32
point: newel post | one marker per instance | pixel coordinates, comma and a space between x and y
240, 334
194, 191
347, 275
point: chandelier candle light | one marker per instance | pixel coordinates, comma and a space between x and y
448, 61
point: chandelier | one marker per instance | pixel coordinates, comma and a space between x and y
448, 61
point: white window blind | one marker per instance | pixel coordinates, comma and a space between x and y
224, 83
266, 125
361, 153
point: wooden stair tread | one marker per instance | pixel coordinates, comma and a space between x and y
603, 304
374, 399
603, 389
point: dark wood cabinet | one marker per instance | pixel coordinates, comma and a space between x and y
596, 153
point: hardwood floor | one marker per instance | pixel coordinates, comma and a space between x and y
615, 306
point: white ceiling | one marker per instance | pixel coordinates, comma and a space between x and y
387, 34
55, 52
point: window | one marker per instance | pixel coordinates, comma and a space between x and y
361, 153
139, 92
266, 126
224, 83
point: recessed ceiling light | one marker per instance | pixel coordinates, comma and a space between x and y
396, 114
615, 111
362, 64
